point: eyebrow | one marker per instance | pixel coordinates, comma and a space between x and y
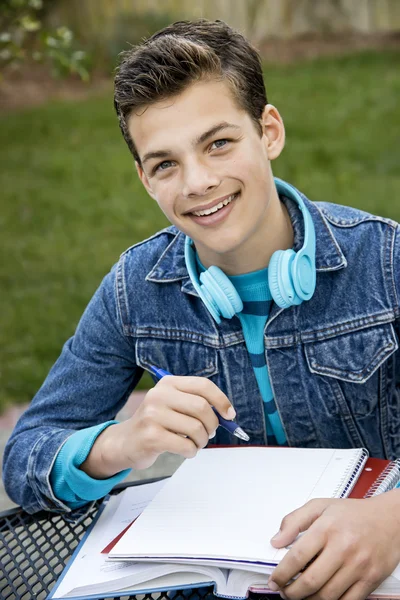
199, 140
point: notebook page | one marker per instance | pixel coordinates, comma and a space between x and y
229, 502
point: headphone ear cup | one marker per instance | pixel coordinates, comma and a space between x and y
222, 292
304, 276
280, 278
273, 279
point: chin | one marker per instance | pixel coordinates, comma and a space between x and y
219, 245
225, 249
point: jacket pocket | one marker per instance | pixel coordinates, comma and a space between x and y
351, 364
352, 357
177, 356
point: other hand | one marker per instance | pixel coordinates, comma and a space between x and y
348, 548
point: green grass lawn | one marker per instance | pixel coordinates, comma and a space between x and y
71, 202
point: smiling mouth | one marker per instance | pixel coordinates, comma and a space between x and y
216, 208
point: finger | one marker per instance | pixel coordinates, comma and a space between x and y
359, 591
343, 585
187, 426
159, 401
299, 556
201, 386
299, 520
196, 407
315, 577
176, 444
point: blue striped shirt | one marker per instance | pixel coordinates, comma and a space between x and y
253, 289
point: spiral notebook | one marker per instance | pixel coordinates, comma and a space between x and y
209, 524
232, 501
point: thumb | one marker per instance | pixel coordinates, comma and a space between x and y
298, 521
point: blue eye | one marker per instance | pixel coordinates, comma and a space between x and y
163, 166
219, 143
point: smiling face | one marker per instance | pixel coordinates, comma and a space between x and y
205, 163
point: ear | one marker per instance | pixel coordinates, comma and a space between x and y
273, 131
143, 178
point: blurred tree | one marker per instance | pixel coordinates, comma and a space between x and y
131, 28
324, 16
253, 15
24, 36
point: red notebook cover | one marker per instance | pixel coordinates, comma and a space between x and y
111, 545
377, 472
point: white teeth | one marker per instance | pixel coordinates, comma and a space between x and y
210, 211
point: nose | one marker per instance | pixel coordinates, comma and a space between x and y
198, 179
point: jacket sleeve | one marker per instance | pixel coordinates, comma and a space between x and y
88, 385
396, 275
396, 280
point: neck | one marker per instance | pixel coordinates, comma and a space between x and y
274, 233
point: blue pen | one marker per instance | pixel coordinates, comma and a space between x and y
230, 426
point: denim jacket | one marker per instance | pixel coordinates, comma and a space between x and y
334, 361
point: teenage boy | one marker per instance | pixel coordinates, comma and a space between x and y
262, 304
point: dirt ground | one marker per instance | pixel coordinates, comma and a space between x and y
309, 47
32, 85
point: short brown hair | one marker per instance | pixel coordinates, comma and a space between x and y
183, 53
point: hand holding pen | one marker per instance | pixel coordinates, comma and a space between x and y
178, 415
230, 426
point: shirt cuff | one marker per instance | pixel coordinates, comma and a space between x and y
72, 485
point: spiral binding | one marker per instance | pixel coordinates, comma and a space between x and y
350, 476
386, 481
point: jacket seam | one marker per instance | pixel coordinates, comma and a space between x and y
51, 505
189, 336
392, 257
334, 240
388, 266
272, 342
363, 324
167, 249
347, 223
320, 335
120, 292
168, 230
53, 496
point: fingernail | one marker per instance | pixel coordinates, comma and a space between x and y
276, 535
273, 586
231, 413
212, 435
282, 595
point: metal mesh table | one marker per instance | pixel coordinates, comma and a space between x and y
34, 549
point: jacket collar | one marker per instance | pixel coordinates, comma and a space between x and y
329, 256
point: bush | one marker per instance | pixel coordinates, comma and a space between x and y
131, 29
24, 37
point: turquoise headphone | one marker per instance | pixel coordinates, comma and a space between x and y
291, 275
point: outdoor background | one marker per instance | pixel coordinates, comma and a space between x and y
70, 199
